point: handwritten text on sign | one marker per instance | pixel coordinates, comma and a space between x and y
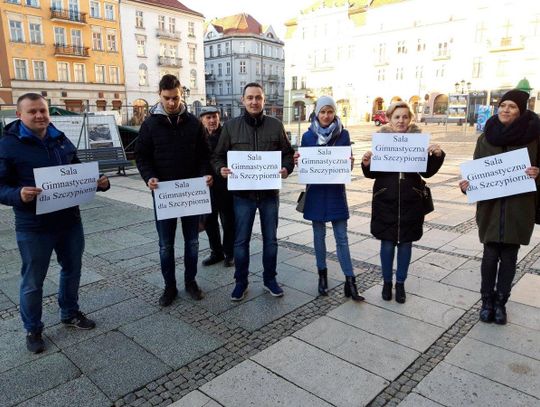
324, 165
498, 175
399, 152
254, 170
65, 186
186, 197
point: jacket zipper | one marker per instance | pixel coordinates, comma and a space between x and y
399, 207
256, 137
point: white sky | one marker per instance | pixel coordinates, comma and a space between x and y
273, 12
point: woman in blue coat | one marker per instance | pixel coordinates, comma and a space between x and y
328, 202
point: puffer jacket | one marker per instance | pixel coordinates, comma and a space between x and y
169, 150
397, 210
246, 133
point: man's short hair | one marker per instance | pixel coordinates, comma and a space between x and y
168, 82
29, 96
252, 85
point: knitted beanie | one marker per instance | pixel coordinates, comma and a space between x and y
325, 101
517, 96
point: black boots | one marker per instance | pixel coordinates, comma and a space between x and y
487, 311
323, 282
387, 291
350, 289
400, 293
500, 308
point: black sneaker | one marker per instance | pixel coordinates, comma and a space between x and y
273, 288
229, 262
34, 342
168, 296
79, 321
194, 291
212, 259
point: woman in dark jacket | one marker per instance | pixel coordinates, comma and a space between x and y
397, 210
505, 223
328, 202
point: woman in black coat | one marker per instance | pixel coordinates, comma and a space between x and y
397, 210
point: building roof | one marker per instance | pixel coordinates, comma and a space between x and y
237, 24
172, 4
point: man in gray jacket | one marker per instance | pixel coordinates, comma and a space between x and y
254, 132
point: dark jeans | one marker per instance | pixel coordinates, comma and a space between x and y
404, 251
499, 256
36, 249
222, 206
166, 232
244, 212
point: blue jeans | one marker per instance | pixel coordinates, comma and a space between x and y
244, 212
36, 249
342, 245
404, 251
166, 232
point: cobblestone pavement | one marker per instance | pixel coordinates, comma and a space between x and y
299, 350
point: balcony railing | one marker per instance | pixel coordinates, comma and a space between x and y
272, 78
71, 51
169, 35
170, 61
210, 77
68, 15
506, 44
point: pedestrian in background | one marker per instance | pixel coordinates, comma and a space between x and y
222, 201
397, 207
508, 222
328, 202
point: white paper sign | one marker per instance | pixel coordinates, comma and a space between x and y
324, 165
185, 197
498, 175
65, 186
254, 170
399, 152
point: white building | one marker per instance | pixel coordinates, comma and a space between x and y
422, 51
239, 50
161, 37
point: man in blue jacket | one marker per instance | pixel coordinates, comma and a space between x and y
33, 142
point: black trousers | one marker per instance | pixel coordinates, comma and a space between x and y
498, 267
222, 208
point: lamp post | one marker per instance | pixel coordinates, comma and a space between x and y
186, 92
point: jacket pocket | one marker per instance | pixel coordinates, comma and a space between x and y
380, 191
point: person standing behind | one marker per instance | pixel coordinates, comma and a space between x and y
328, 202
397, 208
28, 143
254, 131
508, 222
172, 145
222, 202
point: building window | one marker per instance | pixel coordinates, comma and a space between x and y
193, 79
21, 69
442, 50
13, 1
211, 50
381, 73
294, 85
32, 3
76, 38
63, 71
243, 47
60, 36
303, 82
401, 48
420, 45
399, 74
242, 86
192, 55
242, 66
94, 9
419, 72
141, 46
35, 33
100, 73
220, 69
111, 42
502, 67
56, 4
114, 74
143, 75
97, 41
16, 31
477, 68
440, 71
535, 26
382, 53
227, 48
161, 23
139, 22
229, 90
191, 28
172, 24
220, 88
257, 68
80, 72
39, 71
219, 50
109, 11
228, 68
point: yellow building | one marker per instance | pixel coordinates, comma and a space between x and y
67, 50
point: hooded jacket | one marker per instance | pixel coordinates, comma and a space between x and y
397, 209
170, 149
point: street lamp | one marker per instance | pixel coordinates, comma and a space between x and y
186, 92
462, 86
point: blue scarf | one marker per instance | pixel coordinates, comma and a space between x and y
325, 134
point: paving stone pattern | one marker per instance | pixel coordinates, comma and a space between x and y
297, 350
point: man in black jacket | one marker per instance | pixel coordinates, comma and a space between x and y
254, 132
171, 146
222, 202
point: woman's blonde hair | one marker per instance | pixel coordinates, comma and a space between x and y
397, 105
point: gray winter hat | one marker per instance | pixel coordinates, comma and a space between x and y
325, 101
208, 110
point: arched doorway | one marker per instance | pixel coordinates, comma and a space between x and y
344, 108
140, 110
414, 102
440, 104
299, 111
396, 99
377, 104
